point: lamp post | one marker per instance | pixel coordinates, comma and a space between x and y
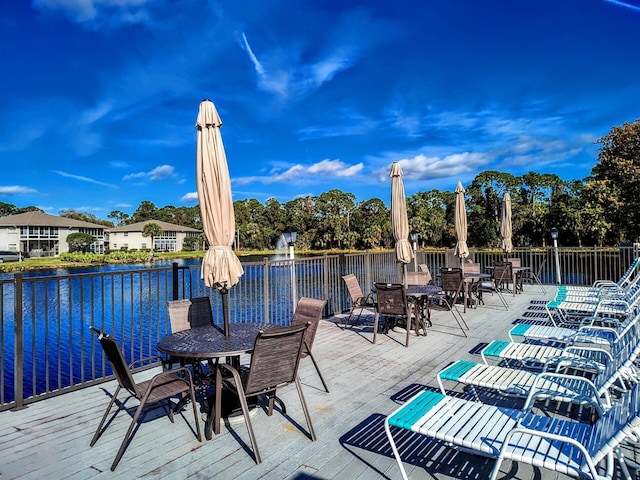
554, 236
414, 240
290, 236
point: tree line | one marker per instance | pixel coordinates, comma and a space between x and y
602, 209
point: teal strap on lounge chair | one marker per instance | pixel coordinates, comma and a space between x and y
457, 370
495, 348
415, 409
520, 329
553, 304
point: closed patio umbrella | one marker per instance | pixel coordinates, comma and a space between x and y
399, 220
505, 225
461, 250
221, 268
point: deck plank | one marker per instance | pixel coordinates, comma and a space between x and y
51, 438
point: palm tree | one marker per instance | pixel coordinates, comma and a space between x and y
152, 230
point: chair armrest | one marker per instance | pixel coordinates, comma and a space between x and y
150, 360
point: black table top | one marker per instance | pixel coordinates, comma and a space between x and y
423, 289
210, 342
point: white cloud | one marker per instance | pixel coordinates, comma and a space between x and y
624, 4
323, 170
113, 12
84, 179
15, 190
280, 73
158, 173
190, 197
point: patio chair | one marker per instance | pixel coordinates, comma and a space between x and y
392, 304
618, 373
162, 386
425, 269
560, 445
503, 276
309, 310
274, 364
358, 299
189, 312
452, 282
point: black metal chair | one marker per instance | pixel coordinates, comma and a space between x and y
162, 386
358, 299
309, 311
189, 313
452, 282
274, 364
391, 303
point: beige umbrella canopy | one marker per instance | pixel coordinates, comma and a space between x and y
221, 269
461, 250
399, 220
505, 224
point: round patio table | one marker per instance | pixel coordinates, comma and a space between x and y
209, 343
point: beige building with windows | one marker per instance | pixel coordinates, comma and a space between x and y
42, 235
129, 237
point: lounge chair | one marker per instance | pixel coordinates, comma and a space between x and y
358, 299
564, 312
274, 364
309, 311
162, 387
630, 277
618, 373
591, 330
559, 445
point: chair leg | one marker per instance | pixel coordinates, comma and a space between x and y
375, 326
315, 364
104, 418
192, 392
305, 410
247, 419
128, 436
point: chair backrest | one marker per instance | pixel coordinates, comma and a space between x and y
502, 271
190, 312
418, 278
472, 267
309, 311
451, 279
353, 286
391, 299
116, 359
425, 269
620, 421
515, 262
275, 359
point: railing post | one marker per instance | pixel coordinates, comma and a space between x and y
265, 288
175, 283
18, 342
367, 269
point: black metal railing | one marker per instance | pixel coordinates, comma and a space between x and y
45, 321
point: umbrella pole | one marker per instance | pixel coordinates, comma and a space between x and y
224, 292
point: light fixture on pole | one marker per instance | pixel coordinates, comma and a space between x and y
290, 236
414, 240
554, 236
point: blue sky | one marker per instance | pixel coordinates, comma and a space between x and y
99, 97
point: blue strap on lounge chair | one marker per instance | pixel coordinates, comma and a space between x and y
559, 445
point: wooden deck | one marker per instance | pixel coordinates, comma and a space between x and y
50, 439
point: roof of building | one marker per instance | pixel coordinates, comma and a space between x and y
166, 226
39, 219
